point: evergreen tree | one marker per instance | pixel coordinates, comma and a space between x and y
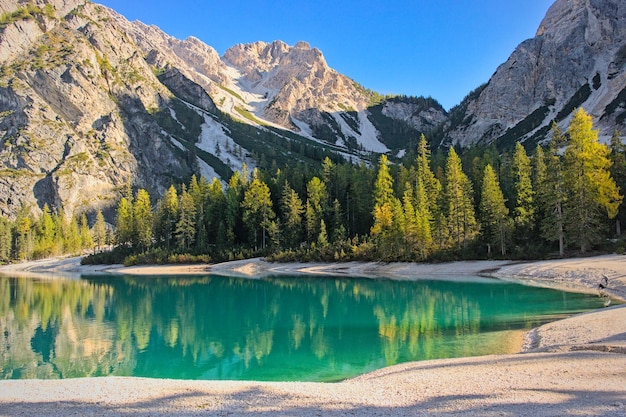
71, 236
5, 240
234, 198
186, 226
167, 217
215, 208
339, 230
493, 211
411, 221
551, 192
124, 222
432, 186
257, 210
142, 220
383, 187
539, 176
199, 192
86, 239
524, 212
23, 234
328, 177
593, 194
292, 209
45, 244
618, 172
317, 196
322, 239
458, 196
383, 205
99, 231
423, 220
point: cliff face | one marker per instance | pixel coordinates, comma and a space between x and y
75, 101
576, 59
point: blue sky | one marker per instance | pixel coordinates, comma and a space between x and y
438, 48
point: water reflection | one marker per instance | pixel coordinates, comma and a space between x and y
273, 329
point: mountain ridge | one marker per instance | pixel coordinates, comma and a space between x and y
571, 62
90, 101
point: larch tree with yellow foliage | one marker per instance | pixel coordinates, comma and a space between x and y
592, 193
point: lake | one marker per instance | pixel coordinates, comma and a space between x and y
305, 328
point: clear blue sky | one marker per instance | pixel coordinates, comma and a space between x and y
438, 48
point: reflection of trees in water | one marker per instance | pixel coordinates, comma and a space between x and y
56, 328
215, 327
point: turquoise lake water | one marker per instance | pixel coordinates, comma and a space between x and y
279, 329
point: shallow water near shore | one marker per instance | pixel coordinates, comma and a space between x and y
305, 328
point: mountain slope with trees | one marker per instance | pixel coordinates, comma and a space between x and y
427, 217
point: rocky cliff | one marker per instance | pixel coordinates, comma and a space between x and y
75, 102
577, 58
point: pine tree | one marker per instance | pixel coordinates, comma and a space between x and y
257, 210
142, 220
86, 239
23, 234
539, 175
71, 236
383, 205
216, 206
45, 233
232, 215
317, 196
124, 222
458, 196
432, 186
99, 231
423, 220
493, 211
5, 240
292, 209
383, 187
167, 216
339, 230
524, 212
322, 239
592, 193
411, 221
552, 193
186, 226
328, 177
618, 172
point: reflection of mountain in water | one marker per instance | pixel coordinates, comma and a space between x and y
279, 328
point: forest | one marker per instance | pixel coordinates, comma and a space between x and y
477, 203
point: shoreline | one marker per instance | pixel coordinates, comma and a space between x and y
572, 274
573, 365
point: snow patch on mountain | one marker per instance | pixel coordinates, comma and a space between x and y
369, 135
215, 140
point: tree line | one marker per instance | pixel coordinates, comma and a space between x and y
478, 203
50, 234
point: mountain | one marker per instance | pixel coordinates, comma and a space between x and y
577, 58
90, 101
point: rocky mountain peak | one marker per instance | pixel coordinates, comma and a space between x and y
576, 60
256, 58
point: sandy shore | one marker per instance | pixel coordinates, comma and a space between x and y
575, 366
